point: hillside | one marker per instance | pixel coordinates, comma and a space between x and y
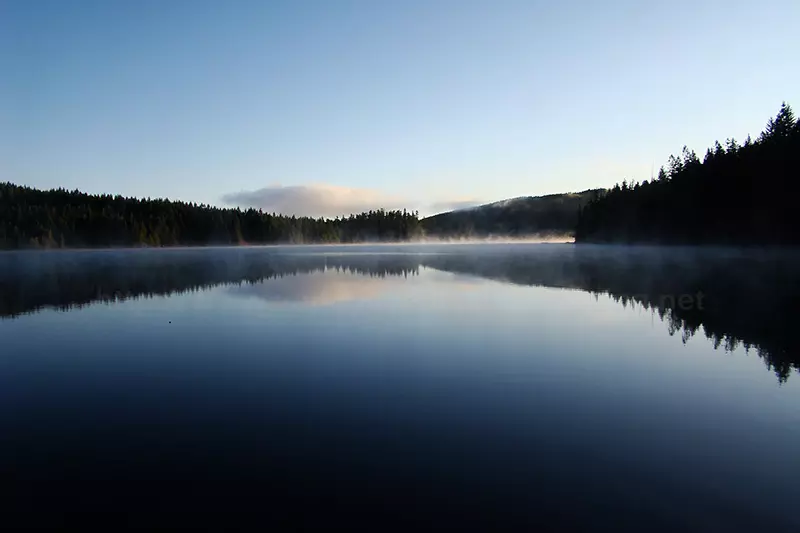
516, 217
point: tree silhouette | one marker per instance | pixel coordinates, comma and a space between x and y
741, 195
783, 125
60, 218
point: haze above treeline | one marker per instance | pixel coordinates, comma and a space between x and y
739, 193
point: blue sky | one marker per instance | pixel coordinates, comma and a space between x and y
320, 107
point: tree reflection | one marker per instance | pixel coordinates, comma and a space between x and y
31, 282
736, 297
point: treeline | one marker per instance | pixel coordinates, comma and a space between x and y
739, 194
31, 218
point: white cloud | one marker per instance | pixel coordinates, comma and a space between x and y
317, 200
322, 200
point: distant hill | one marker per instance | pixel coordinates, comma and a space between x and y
515, 217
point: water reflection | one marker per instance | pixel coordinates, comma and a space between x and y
320, 286
31, 282
733, 296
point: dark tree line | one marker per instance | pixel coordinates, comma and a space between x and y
739, 194
31, 218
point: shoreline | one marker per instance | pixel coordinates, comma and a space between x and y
288, 245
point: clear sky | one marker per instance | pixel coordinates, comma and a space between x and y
331, 105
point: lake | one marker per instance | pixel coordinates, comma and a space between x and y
413, 387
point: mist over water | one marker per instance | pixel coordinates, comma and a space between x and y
535, 238
498, 386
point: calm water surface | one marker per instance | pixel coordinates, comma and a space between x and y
418, 387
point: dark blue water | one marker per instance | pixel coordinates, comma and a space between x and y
493, 387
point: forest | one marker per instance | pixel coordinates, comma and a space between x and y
31, 218
739, 194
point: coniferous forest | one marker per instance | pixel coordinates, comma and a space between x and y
31, 218
739, 194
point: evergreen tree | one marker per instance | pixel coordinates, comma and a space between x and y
783, 125
739, 195
58, 218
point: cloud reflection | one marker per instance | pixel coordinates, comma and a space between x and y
322, 287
